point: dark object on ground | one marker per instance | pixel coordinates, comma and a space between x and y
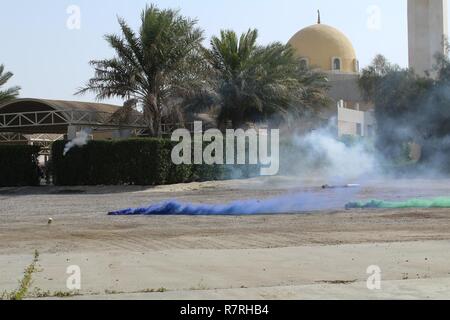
326, 186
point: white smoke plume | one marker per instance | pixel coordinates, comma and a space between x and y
343, 161
80, 140
322, 153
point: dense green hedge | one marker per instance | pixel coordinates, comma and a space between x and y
136, 161
19, 165
132, 161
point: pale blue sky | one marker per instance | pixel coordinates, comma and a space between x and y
51, 61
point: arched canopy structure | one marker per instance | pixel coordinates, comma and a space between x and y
55, 116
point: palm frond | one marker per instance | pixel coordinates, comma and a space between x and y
258, 82
153, 65
10, 93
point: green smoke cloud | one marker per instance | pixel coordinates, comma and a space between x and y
411, 203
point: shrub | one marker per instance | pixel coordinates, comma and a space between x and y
19, 165
133, 161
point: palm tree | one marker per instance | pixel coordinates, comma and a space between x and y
255, 83
155, 66
8, 94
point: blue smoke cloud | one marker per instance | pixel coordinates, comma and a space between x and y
293, 203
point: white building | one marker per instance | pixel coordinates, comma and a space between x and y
355, 122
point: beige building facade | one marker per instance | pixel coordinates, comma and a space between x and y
355, 122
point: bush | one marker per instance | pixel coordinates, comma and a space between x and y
133, 161
19, 165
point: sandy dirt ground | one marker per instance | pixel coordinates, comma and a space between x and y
322, 252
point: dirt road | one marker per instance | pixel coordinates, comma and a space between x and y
313, 254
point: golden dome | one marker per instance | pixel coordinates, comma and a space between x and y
325, 47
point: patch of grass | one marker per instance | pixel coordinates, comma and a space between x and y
337, 281
24, 283
113, 292
162, 289
38, 293
159, 290
201, 286
65, 294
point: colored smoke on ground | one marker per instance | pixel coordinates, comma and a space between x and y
288, 204
411, 203
292, 203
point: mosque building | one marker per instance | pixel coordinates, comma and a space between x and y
326, 49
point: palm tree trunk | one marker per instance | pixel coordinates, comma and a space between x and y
148, 117
154, 116
158, 123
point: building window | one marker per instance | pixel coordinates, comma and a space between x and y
304, 63
336, 64
359, 129
356, 65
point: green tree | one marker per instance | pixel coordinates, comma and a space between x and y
397, 95
254, 83
156, 66
410, 108
372, 75
9, 94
